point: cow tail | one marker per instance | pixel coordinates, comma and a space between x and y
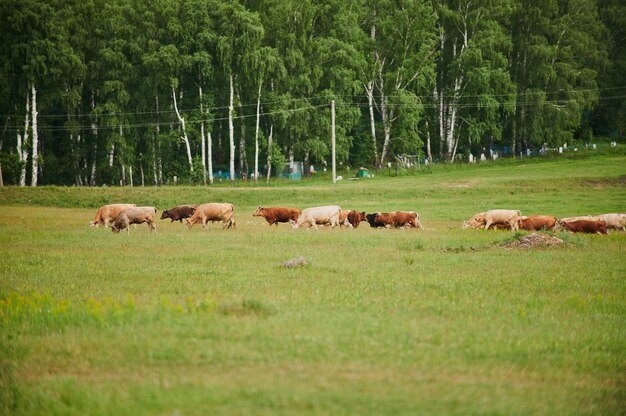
419, 222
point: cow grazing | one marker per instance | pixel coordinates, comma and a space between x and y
485, 219
179, 213
134, 215
314, 216
371, 219
584, 226
536, 222
355, 218
275, 215
399, 219
108, 213
213, 212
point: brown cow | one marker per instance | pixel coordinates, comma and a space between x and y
108, 213
536, 222
179, 213
275, 215
355, 218
343, 218
500, 226
584, 226
399, 219
213, 212
134, 215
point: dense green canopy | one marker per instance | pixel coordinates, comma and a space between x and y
113, 92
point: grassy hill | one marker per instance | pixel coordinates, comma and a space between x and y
441, 321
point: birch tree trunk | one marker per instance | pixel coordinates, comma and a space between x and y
370, 99
269, 153
231, 132
22, 150
256, 135
386, 131
428, 153
111, 154
94, 129
243, 159
184, 136
130, 172
209, 146
440, 98
35, 157
203, 147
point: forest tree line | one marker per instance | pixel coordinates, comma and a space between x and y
100, 92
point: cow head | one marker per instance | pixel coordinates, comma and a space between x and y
560, 225
115, 229
258, 212
476, 221
165, 214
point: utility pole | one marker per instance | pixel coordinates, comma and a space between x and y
332, 122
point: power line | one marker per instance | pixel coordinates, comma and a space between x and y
313, 98
466, 105
159, 124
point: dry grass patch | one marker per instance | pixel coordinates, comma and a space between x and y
534, 240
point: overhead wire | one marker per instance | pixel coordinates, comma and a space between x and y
464, 105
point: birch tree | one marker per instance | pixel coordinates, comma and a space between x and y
473, 83
402, 60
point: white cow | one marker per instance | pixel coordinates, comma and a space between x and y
495, 216
313, 216
613, 221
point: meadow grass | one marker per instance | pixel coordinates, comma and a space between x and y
440, 321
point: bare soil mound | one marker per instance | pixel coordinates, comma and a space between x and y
534, 240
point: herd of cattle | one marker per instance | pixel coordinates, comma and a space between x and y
121, 216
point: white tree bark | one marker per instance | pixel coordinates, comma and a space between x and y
428, 152
35, 157
22, 150
256, 135
369, 88
111, 154
209, 146
231, 132
130, 171
243, 157
184, 136
203, 146
94, 129
269, 153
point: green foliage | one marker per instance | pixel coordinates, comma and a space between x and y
475, 74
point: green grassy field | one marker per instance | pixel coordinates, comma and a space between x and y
441, 321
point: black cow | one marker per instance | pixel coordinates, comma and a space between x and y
179, 213
371, 219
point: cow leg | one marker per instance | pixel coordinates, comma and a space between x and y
487, 224
152, 226
204, 221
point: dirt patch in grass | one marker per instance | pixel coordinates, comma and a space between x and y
534, 240
459, 184
606, 182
